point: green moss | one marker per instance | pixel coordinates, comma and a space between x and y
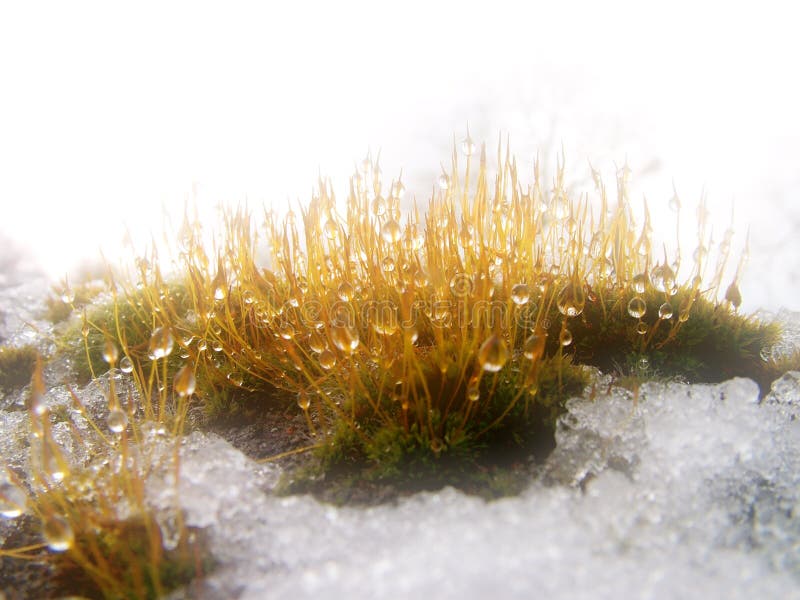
16, 366
485, 459
130, 561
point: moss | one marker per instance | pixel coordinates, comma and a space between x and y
16, 366
131, 561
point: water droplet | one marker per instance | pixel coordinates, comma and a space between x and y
327, 359
411, 333
161, 343
117, 420
378, 206
665, 311
443, 181
345, 291
385, 320
674, 203
493, 354
644, 364
57, 533
520, 294
534, 345
184, 382
216, 347
474, 389
344, 337
391, 231
303, 401
565, 337
316, 342
571, 300
286, 330
248, 297
388, 264
125, 365
641, 328
331, 229
12, 500
202, 346
467, 146
637, 307
68, 295
110, 352
236, 378
639, 283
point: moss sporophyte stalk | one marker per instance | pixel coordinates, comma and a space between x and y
409, 341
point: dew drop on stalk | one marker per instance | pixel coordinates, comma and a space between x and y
493, 354
643, 364
316, 342
665, 311
161, 343
637, 307
235, 378
331, 229
68, 296
641, 328
388, 264
674, 203
639, 283
520, 294
345, 291
378, 206
534, 345
565, 337
467, 146
474, 389
286, 330
184, 382
117, 420
57, 533
391, 231
202, 346
125, 365
110, 352
344, 337
443, 181
571, 300
303, 401
12, 500
327, 359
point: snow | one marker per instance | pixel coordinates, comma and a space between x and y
688, 491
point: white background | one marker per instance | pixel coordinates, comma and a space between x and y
109, 111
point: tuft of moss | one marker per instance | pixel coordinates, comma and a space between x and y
16, 366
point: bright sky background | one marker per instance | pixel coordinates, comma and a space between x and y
109, 110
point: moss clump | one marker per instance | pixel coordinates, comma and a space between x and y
127, 560
16, 366
389, 459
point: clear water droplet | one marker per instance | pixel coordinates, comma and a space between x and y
161, 343
520, 294
443, 181
344, 337
493, 354
665, 311
641, 328
185, 381
327, 359
733, 295
117, 420
125, 365
317, 342
637, 307
474, 389
388, 264
12, 500
236, 378
571, 300
639, 283
565, 337
467, 146
534, 346
345, 291
303, 401
391, 231
57, 533
643, 364
378, 206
